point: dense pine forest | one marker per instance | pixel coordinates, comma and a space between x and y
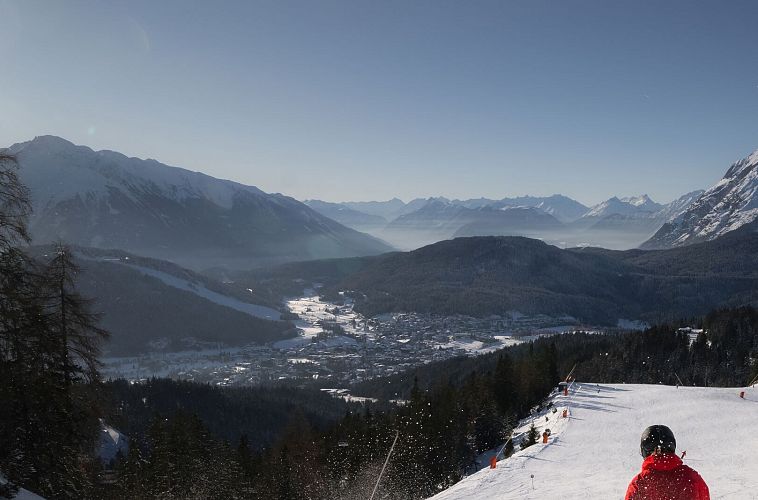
49, 348
191, 440
481, 276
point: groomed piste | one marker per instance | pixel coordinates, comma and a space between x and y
594, 452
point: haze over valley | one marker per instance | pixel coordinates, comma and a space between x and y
181, 261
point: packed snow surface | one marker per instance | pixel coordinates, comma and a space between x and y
594, 453
111, 442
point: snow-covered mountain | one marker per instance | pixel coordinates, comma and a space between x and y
623, 223
635, 214
594, 452
561, 207
104, 199
642, 202
676, 207
636, 206
729, 205
618, 223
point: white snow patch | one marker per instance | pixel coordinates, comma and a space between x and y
111, 442
345, 395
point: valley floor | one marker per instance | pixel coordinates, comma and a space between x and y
596, 452
360, 348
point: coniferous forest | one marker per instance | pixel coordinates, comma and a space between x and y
190, 440
49, 346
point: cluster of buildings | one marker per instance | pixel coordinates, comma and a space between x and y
338, 346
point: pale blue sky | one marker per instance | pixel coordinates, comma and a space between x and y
349, 100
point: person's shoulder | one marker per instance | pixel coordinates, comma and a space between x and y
692, 474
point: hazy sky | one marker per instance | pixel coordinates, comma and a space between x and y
349, 100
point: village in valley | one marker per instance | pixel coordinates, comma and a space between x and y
337, 346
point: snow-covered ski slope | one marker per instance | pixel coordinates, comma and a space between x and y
215, 297
595, 453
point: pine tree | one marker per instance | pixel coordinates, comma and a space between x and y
245, 461
488, 427
131, 473
15, 206
508, 448
552, 364
532, 436
66, 416
14, 209
73, 326
503, 384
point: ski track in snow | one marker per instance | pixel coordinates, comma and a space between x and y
215, 297
595, 452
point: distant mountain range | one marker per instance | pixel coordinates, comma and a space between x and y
561, 207
635, 206
729, 205
618, 223
340, 212
104, 199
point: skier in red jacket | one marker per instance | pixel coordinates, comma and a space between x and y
664, 476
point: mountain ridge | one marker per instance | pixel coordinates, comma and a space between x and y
105, 199
481, 276
727, 206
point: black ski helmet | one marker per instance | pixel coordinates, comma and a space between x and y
657, 436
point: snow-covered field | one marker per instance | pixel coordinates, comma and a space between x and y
595, 452
311, 310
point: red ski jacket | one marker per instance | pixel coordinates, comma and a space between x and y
665, 477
